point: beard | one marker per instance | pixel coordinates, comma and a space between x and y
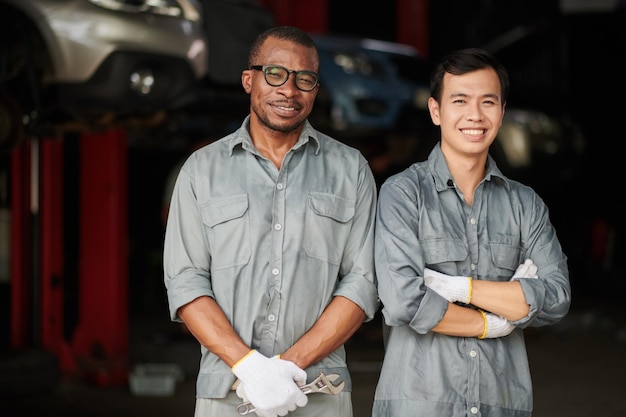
289, 126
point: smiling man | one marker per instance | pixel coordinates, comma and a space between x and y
465, 258
269, 246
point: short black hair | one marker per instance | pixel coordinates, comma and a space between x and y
288, 33
466, 60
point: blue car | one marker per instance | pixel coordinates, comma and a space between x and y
368, 85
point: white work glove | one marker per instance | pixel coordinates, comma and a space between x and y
526, 270
270, 384
495, 326
452, 288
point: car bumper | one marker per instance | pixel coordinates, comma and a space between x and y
110, 86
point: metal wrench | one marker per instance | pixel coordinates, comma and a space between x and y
323, 384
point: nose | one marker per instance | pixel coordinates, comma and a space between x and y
474, 112
289, 86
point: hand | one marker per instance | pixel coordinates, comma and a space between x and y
271, 385
526, 270
452, 288
496, 326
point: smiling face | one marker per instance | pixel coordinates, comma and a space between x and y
283, 108
469, 113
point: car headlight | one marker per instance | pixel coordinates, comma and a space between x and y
186, 9
515, 142
359, 64
543, 132
420, 97
525, 132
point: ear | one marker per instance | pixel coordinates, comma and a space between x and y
433, 108
502, 115
246, 80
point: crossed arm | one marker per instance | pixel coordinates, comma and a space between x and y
501, 298
500, 302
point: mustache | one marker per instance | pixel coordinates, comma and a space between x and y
287, 103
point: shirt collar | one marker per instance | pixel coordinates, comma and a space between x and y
443, 178
242, 138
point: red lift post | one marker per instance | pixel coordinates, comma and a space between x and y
99, 345
52, 250
102, 332
21, 271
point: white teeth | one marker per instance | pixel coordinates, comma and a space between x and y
287, 108
474, 131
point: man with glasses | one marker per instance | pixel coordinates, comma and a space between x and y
268, 254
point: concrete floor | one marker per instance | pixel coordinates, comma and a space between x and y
578, 367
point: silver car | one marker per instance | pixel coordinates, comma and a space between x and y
66, 62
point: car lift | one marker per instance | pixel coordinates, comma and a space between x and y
98, 345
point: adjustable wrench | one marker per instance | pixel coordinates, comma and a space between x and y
323, 384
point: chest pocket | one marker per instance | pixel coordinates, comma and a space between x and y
505, 257
444, 252
227, 226
328, 222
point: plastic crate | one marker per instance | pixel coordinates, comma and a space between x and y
156, 380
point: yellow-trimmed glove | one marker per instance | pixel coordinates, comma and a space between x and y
495, 326
526, 270
452, 288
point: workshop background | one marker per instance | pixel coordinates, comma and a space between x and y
101, 101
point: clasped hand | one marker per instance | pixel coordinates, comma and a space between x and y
272, 385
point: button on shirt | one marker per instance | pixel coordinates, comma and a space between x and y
271, 246
423, 221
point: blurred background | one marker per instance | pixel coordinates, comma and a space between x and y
102, 100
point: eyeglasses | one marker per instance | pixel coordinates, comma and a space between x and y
275, 75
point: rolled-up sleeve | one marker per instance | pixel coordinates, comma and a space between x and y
399, 261
358, 282
186, 256
549, 296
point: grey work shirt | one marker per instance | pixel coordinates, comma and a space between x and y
423, 221
272, 247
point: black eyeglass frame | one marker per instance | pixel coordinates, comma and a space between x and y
264, 68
